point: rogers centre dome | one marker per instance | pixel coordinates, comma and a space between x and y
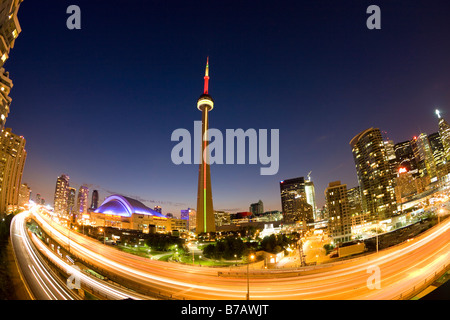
124, 206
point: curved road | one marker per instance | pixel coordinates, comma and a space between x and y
42, 283
400, 268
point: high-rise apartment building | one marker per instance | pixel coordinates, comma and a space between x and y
94, 200
424, 156
405, 156
390, 155
375, 177
24, 194
9, 31
71, 208
5, 100
311, 195
294, 202
192, 220
339, 222
12, 162
82, 201
357, 217
437, 148
257, 208
62, 195
444, 132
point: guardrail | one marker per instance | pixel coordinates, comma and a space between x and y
410, 293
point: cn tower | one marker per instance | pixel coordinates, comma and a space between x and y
205, 211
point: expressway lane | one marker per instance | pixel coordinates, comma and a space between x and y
41, 283
401, 267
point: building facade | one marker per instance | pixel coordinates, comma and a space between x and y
94, 200
71, 205
424, 157
126, 213
12, 161
61, 199
437, 149
24, 195
339, 222
444, 133
257, 208
82, 201
375, 177
294, 203
9, 31
405, 156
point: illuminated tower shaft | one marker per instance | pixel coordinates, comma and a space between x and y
205, 211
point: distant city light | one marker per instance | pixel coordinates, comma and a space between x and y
402, 170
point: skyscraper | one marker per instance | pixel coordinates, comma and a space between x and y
71, 201
24, 194
444, 132
62, 195
338, 211
374, 175
437, 149
310, 194
257, 207
405, 156
12, 162
9, 31
94, 201
293, 201
82, 201
424, 156
205, 211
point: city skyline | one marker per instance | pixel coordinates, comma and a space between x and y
95, 153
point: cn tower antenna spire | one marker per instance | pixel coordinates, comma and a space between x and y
205, 88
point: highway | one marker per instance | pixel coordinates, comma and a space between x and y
42, 283
401, 269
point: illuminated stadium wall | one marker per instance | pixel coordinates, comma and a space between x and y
127, 213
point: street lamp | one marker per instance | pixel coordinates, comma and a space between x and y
248, 278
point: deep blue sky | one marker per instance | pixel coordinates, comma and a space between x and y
100, 103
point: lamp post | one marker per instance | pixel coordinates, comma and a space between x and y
69, 236
248, 277
376, 234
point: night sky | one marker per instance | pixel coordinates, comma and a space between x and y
100, 103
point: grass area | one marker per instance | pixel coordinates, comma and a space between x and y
187, 258
6, 285
143, 251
